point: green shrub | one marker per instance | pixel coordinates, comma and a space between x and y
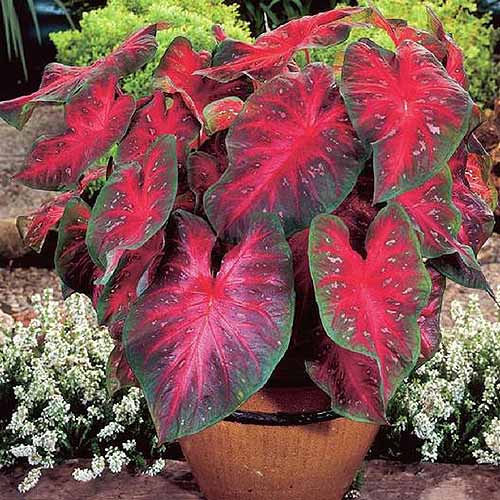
473, 34
101, 30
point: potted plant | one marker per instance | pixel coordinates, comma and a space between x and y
269, 243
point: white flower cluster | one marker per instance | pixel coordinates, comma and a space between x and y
491, 455
53, 375
452, 403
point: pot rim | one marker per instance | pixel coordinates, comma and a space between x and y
281, 418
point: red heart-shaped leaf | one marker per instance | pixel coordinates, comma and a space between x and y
60, 82
439, 222
477, 172
203, 172
454, 55
357, 212
92, 175
118, 372
201, 344
408, 108
453, 267
134, 52
370, 306
185, 201
435, 217
219, 32
96, 118
216, 147
478, 220
292, 151
161, 115
399, 31
477, 225
133, 274
458, 162
43, 220
176, 73
39, 223
305, 305
134, 204
272, 52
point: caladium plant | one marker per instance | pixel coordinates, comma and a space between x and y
253, 208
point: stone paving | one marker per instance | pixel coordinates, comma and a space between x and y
383, 481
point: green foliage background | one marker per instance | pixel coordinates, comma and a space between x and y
101, 30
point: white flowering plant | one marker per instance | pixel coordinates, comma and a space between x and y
450, 409
54, 403
53, 399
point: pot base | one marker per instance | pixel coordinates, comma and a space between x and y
233, 461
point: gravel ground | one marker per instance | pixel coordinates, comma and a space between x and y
18, 285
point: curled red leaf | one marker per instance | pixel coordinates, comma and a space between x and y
118, 372
161, 115
429, 319
399, 31
72, 260
134, 205
220, 114
454, 56
177, 73
133, 274
350, 378
60, 82
273, 51
203, 172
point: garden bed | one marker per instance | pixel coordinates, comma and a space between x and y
383, 481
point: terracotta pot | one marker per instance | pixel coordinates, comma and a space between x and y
234, 461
